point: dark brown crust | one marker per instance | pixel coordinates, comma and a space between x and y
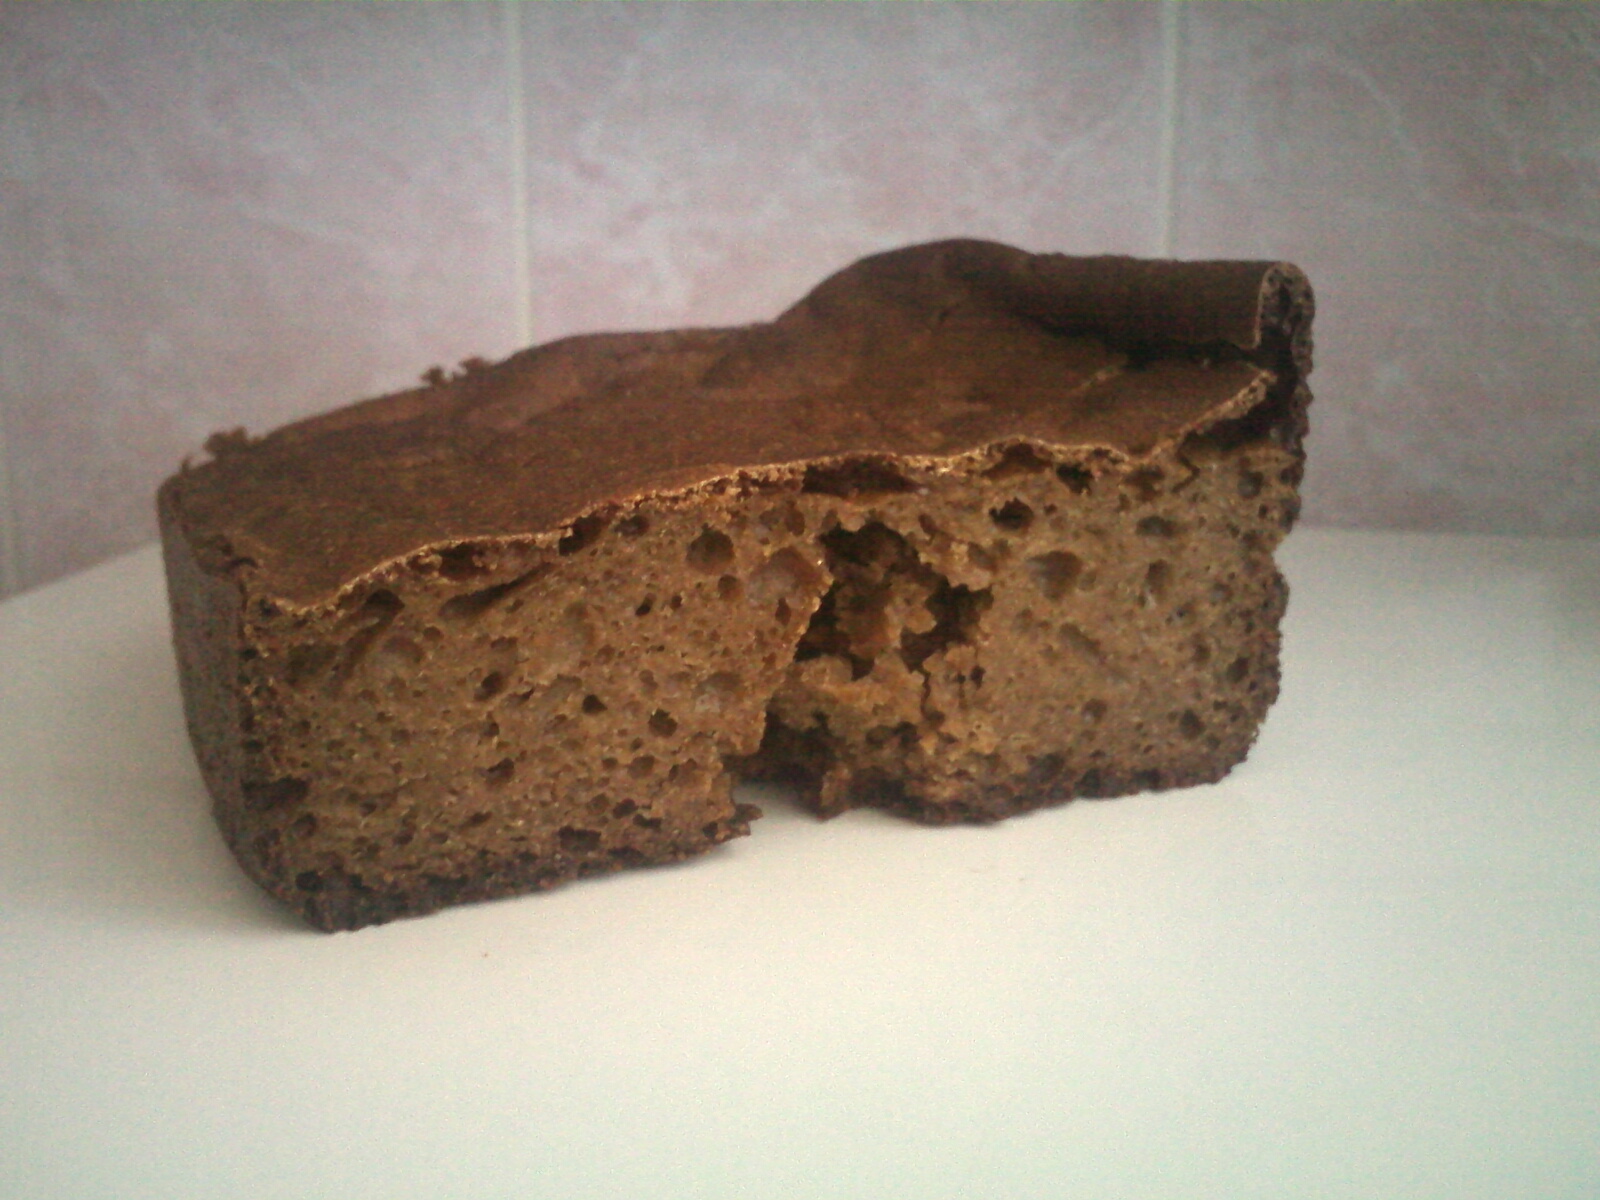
933, 351
934, 358
338, 900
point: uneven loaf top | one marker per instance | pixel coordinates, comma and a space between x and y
931, 351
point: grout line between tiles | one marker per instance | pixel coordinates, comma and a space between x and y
1167, 153
10, 568
521, 258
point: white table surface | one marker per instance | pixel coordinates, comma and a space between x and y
1365, 965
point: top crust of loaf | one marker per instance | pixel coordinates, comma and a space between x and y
923, 354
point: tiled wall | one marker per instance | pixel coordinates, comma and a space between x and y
215, 214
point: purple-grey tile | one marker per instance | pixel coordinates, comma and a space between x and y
1436, 169
707, 164
221, 215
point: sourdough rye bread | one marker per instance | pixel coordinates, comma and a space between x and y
965, 532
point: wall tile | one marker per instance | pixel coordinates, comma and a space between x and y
221, 214
1436, 169
707, 163
231, 214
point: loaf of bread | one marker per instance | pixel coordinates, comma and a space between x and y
965, 532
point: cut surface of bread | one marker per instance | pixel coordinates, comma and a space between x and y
965, 532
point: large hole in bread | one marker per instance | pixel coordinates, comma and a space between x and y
856, 478
885, 615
